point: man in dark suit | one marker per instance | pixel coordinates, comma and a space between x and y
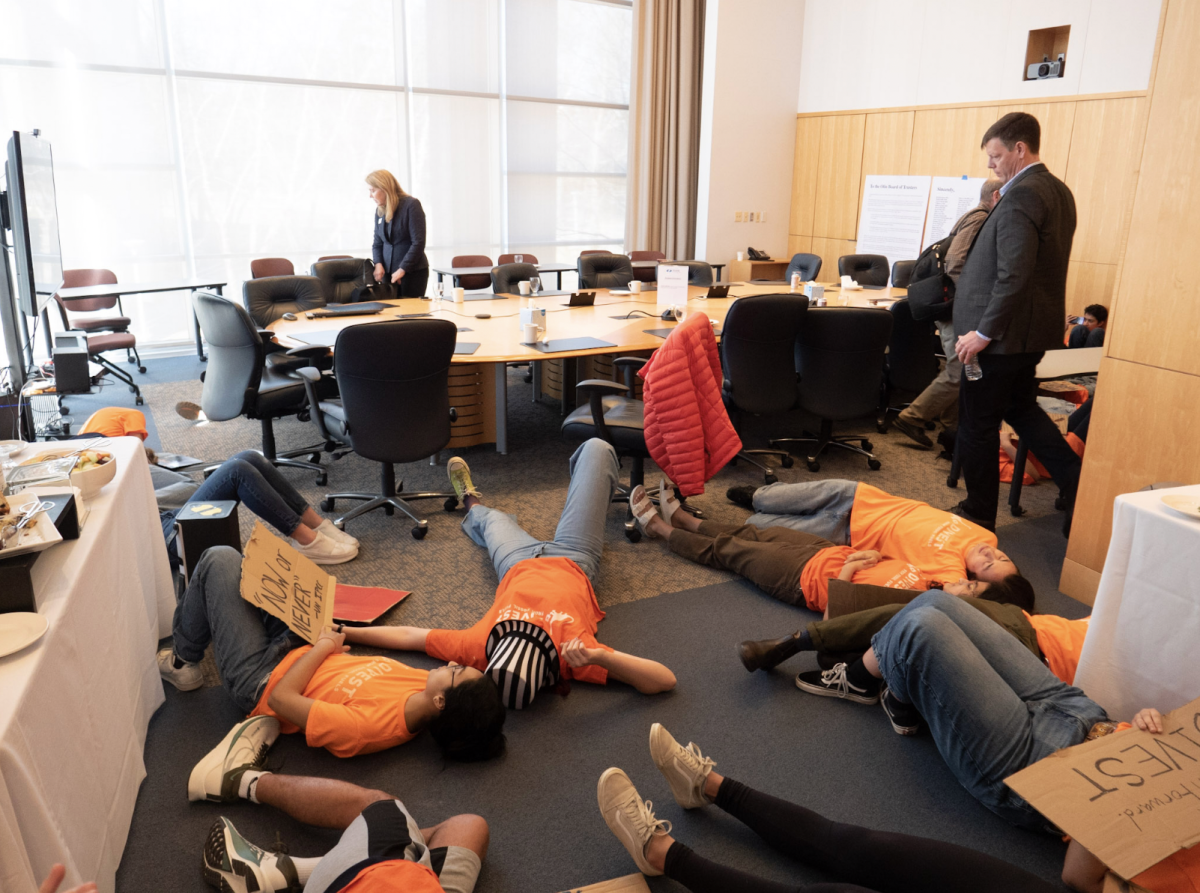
1010, 299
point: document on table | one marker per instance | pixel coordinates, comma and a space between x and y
950, 198
893, 216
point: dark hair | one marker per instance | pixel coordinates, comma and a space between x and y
1014, 127
1097, 310
470, 726
1012, 590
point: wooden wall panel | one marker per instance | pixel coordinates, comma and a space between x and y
887, 144
1089, 284
945, 142
829, 250
804, 176
1106, 146
839, 173
798, 244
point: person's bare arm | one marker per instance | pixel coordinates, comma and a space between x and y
287, 698
647, 676
1082, 871
395, 638
858, 561
55, 877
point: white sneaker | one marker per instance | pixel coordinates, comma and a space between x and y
326, 550
233, 864
185, 678
684, 768
328, 528
629, 817
218, 776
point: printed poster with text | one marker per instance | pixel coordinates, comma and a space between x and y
285, 584
892, 220
950, 198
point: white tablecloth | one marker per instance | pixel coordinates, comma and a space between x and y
1141, 649
74, 707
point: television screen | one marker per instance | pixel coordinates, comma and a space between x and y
32, 203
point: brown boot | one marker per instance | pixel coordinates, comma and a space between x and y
767, 653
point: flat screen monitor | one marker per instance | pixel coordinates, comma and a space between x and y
34, 215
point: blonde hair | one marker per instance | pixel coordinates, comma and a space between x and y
384, 180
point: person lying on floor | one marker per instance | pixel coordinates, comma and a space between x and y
861, 859
849, 513
381, 847
541, 629
794, 566
344, 703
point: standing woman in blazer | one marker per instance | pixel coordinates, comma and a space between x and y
399, 246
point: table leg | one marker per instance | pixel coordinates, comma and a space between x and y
559, 281
1018, 480
536, 367
196, 331
502, 408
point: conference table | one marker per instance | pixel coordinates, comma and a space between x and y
558, 269
75, 705
624, 323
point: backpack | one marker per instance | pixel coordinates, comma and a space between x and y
931, 291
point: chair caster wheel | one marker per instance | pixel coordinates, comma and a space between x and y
450, 504
633, 534
139, 401
327, 505
813, 465
770, 478
874, 464
929, 426
142, 369
867, 445
389, 510
952, 483
322, 480
881, 427
787, 461
1017, 511
340, 525
419, 532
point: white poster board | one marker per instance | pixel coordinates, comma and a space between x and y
893, 216
672, 285
950, 198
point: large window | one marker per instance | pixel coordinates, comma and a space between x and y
191, 136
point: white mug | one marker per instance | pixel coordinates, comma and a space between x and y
635, 286
523, 286
529, 333
460, 295
741, 255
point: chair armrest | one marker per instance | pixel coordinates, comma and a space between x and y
311, 376
308, 374
601, 386
629, 366
315, 352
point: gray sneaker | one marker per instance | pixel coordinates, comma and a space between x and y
233, 864
185, 678
218, 776
629, 817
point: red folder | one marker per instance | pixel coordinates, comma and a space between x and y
364, 604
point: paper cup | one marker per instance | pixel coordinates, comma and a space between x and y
741, 255
635, 286
460, 295
529, 333
523, 286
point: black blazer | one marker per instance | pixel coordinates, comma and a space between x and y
401, 243
1014, 283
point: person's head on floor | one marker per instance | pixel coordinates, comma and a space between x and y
469, 724
986, 562
1012, 144
1012, 590
1095, 316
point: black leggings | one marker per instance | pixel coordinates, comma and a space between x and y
868, 860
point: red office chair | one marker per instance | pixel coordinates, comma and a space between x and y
646, 274
103, 333
472, 280
512, 259
271, 266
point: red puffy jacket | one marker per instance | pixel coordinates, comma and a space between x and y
688, 432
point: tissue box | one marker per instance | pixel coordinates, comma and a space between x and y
814, 292
534, 316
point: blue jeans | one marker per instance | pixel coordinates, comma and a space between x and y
251, 479
821, 508
992, 707
248, 642
580, 533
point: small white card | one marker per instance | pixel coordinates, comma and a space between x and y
672, 285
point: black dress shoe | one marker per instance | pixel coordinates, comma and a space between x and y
767, 653
963, 513
912, 432
743, 496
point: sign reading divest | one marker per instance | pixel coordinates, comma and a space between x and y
285, 584
1132, 798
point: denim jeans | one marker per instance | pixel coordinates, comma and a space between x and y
580, 533
821, 508
248, 642
993, 708
250, 478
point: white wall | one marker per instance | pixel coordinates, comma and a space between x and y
861, 54
748, 124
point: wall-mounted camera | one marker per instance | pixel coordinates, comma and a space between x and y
1039, 71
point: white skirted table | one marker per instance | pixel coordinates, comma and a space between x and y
74, 706
1140, 649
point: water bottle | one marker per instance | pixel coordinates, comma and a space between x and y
973, 370
795, 282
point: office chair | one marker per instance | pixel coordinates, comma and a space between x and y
100, 343
394, 379
472, 281
340, 277
526, 258
266, 300
604, 270
335, 257
758, 359
911, 362
271, 266
841, 369
807, 265
115, 324
646, 274
902, 273
595, 251
506, 276
699, 272
865, 269
239, 382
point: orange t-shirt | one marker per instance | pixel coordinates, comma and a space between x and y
552, 593
931, 539
394, 876
112, 421
1178, 873
359, 702
827, 564
1061, 641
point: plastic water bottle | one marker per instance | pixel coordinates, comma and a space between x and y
973, 370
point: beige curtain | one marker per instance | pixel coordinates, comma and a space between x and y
664, 126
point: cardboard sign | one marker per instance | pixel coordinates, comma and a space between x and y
1131, 798
672, 286
630, 883
285, 584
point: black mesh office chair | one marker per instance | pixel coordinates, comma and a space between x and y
266, 300
911, 362
238, 382
841, 369
506, 276
865, 269
339, 277
807, 265
394, 379
604, 270
902, 273
699, 272
758, 359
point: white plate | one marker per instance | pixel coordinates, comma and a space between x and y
39, 534
1185, 505
11, 447
20, 629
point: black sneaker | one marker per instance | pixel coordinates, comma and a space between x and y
912, 432
904, 718
743, 496
963, 513
834, 684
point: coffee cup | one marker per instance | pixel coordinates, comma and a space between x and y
523, 286
529, 333
741, 255
635, 286
460, 295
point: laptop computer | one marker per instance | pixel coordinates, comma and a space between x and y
581, 299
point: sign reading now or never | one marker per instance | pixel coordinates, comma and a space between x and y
285, 584
1132, 798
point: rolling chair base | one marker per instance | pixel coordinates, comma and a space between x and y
389, 504
827, 439
785, 460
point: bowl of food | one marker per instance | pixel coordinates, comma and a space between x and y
93, 468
